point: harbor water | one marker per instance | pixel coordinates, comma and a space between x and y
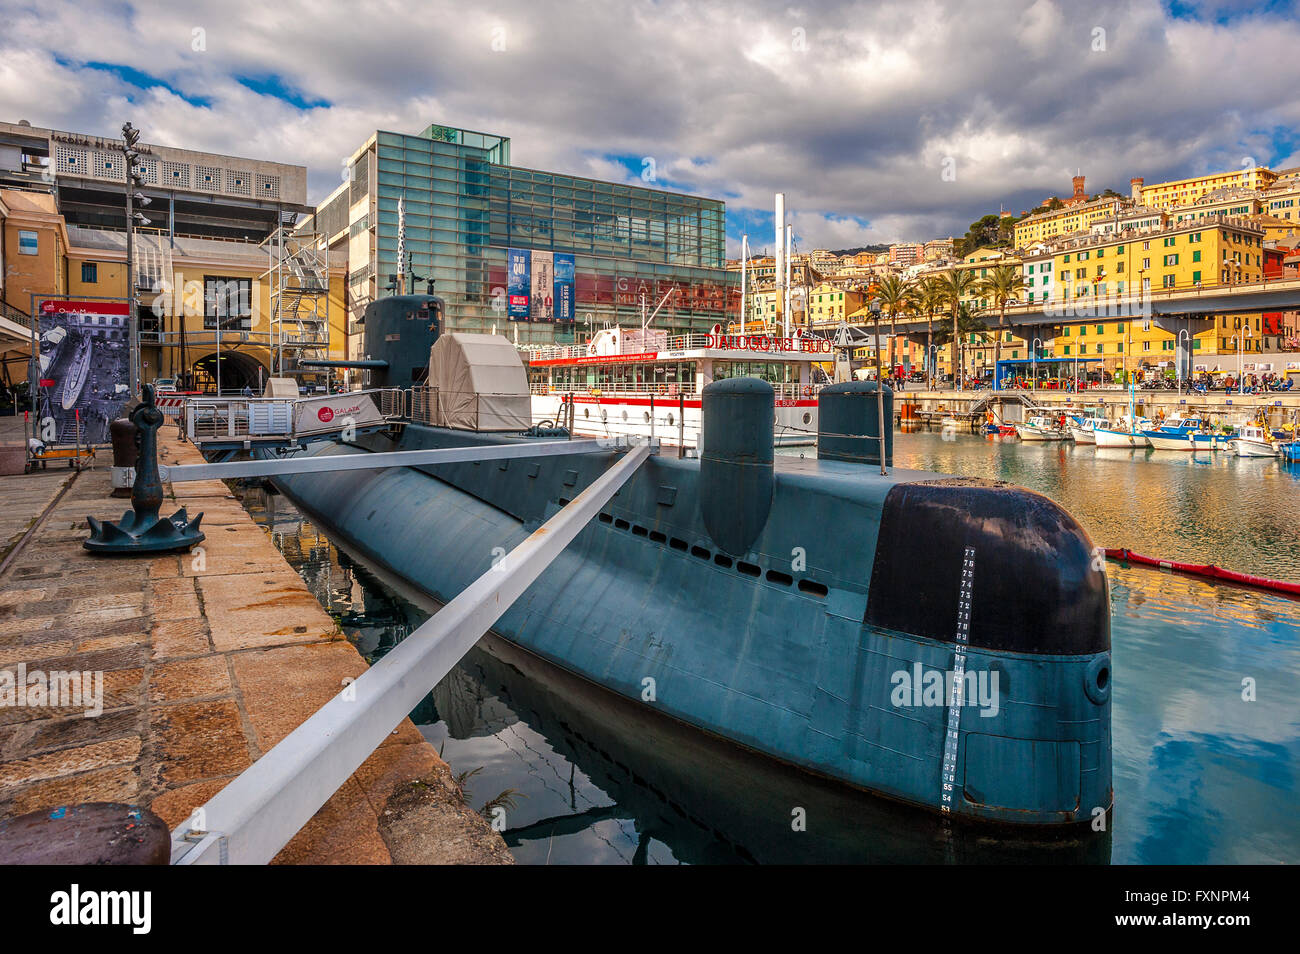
1206, 733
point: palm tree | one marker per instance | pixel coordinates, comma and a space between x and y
892, 292
1003, 285
928, 299
956, 283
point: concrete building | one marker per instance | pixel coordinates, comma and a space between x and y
202, 264
906, 253
1234, 200
937, 250
466, 208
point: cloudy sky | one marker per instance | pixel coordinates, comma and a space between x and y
881, 121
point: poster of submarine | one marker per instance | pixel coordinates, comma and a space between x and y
84, 369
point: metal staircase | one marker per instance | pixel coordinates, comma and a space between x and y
298, 279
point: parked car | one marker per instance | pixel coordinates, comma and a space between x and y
162, 385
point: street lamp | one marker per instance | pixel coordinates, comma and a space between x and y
1035, 345
1245, 330
131, 136
874, 308
1178, 341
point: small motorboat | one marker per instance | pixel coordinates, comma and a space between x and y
1254, 440
1040, 429
1175, 434
1082, 428
1126, 433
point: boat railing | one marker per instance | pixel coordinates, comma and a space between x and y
688, 342
422, 405
784, 391
635, 388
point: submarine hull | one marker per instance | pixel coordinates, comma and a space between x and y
832, 643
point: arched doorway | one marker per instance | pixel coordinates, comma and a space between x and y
238, 370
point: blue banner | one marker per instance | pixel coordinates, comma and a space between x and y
565, 274
518, 283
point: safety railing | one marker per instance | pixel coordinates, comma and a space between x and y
422, 405
257, 813
271, 418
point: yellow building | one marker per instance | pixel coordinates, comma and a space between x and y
183, 286
33, 244
1187, 191
1222, 251
201, 272
831, 303
1283, 200
1075, 218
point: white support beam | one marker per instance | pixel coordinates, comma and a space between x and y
332, 463
256, 815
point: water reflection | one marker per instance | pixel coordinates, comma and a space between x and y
1201, 774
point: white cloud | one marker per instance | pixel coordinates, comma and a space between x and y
853, 123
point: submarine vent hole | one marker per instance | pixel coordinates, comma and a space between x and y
1103, 677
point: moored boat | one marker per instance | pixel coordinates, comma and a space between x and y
1127, 432
646, 383
1254, 440
1175, 434
1082, 429
1040, 428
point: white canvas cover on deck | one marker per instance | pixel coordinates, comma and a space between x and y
481, 382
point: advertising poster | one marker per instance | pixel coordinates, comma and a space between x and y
542, 305
84, 367
517, 284
565, 275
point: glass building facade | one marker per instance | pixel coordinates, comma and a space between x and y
465, 205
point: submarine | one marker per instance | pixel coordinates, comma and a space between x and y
942, 642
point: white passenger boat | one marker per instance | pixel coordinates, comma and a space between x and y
647, 383
1254, 440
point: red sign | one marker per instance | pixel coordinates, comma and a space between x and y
768, 343
326, 414
51, 306
601, 359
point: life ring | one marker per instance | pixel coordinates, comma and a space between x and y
807, 390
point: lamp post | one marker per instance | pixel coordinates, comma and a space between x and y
1178, 340
1035, 344
1245, 331
874, 308
131, 136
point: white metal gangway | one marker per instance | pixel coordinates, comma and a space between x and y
249, 421
256, 814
